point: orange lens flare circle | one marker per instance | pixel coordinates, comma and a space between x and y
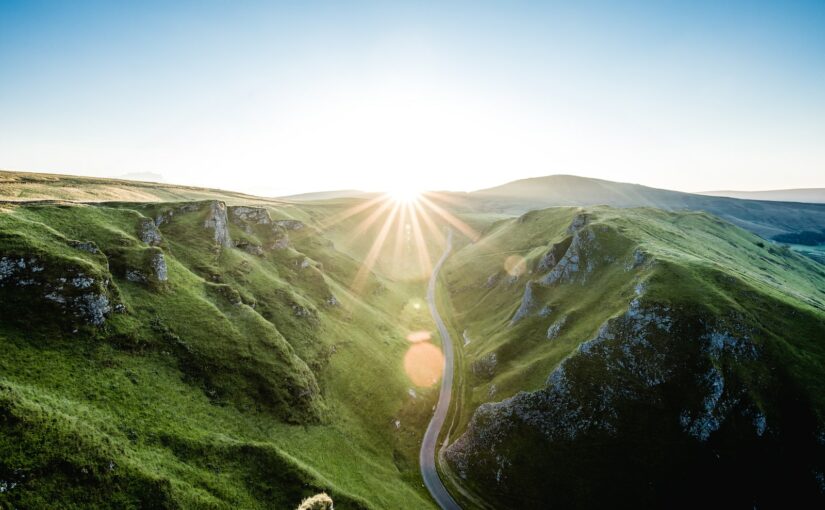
424, 363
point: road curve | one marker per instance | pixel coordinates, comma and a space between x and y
428, 447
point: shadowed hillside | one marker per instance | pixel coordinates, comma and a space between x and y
637, 355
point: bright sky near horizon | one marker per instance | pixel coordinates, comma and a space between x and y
286, 97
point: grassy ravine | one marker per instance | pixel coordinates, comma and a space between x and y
234, 383
700, 272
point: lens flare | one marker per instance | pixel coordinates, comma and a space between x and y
515, 265
419, 336
424, 363
403, 195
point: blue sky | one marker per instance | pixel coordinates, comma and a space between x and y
287, 97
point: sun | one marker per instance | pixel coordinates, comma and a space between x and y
404, 195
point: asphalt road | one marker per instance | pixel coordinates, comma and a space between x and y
428, 446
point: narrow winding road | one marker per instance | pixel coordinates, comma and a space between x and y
429, 445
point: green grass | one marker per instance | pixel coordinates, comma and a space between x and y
705, 270
211, 389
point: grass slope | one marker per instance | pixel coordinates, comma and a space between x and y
239, 376
705, 306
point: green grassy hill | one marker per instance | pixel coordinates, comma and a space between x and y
29, 186
190, 354
765, 218
637, 355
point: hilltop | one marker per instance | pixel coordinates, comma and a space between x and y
663, 358
29, 186
765, 218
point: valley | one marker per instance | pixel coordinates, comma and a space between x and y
224, 351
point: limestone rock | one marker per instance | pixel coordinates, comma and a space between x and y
289, 224
216, 220
148, 232
255, 215
79, 295
527, 304
555, 328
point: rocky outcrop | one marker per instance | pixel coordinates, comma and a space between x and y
527, 304
158, 264
631, 365
254, 215
579, 256
148, 232
216, 219
289, 224
280, 244
149, 267
80, 296
87, 246
252, 249
555, 328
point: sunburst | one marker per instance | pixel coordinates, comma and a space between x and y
414, 218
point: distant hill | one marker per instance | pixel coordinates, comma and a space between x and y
809, 195
29, 186
330, 195
766, 218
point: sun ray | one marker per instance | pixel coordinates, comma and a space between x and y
367, 222
399, 231
430, 224
449, 197
452, 220
352, 211
420, 244
375, 249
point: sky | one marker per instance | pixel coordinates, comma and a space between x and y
275, 98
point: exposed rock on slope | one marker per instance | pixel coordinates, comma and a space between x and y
216, 220
685, 388
79, 294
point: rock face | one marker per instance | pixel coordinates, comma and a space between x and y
87, 246
579, 255
255, 215
631, 380
158, 264
555, 328
81, 297
527, 304
250, 248
217, 220
148, 232
290, 224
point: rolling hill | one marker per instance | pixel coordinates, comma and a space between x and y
636, 355
176, 347
808, 195
765, 218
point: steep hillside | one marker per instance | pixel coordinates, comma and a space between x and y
762, 217
636, 355
199, 355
